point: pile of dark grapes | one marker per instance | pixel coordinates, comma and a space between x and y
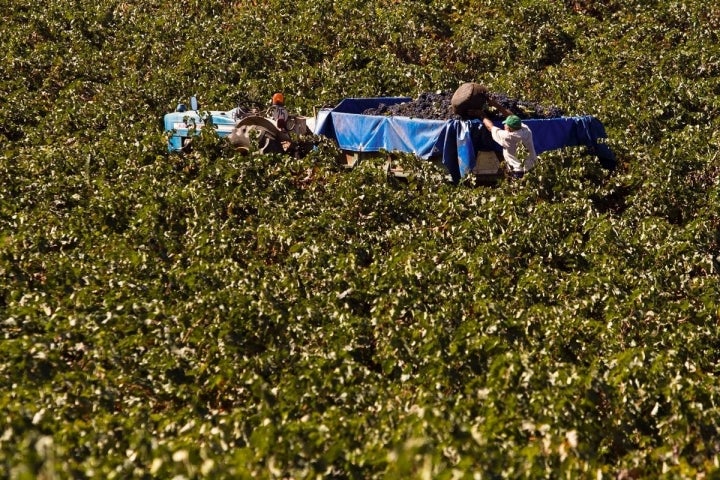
436, 106
526, 109
428, 106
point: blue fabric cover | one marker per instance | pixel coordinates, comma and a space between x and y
371, 133
457, 141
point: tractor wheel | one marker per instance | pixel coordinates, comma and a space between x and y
256, 132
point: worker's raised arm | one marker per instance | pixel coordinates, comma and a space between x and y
488, 123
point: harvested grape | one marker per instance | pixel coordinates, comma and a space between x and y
437, 106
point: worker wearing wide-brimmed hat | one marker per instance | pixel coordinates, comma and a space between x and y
514, 135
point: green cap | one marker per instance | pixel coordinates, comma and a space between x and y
513, 121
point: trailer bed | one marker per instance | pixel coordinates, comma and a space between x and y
455, 142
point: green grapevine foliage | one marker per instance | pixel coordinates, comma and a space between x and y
213, 315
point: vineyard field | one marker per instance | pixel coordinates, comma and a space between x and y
218, 315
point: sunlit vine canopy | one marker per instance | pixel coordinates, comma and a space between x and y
213, 315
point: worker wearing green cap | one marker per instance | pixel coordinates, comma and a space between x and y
516, 140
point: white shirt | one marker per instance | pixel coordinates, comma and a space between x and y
517, 159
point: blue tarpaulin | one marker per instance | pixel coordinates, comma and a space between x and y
456, 141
